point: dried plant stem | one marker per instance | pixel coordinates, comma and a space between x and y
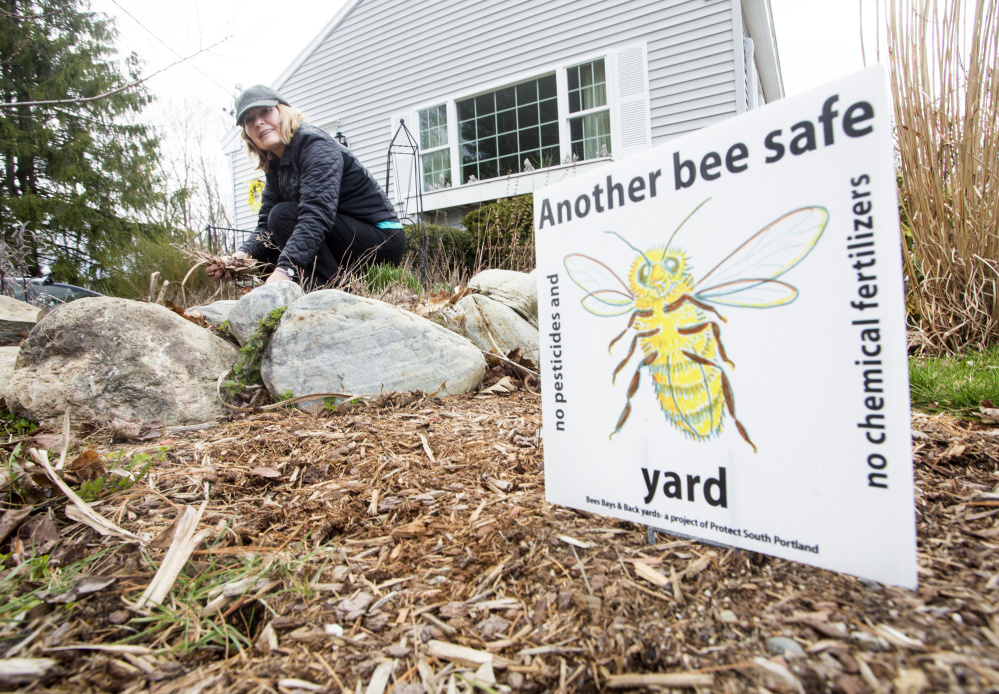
945, 79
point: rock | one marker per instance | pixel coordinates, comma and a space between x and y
107, 357
493, 326
330, 341
246, 314
517, 290
216, 312
781, 645
15, 316
728, 617
8, 356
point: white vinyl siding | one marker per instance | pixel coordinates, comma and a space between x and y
389, 57
692, 71
243, 172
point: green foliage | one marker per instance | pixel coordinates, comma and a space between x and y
25, 586
955, 382
504, 233
503, 220
460, 246
12, 425
383, 276
145, 252
246, 372
120, 477
77, 173
196, 587
192, 591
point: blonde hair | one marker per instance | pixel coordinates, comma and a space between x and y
289, 120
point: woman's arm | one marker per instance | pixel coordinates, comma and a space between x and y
320, 168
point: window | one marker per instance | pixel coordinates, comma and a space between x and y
436, 154
534, 122
590, 132
498, 132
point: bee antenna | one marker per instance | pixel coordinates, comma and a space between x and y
670, 243
630, 246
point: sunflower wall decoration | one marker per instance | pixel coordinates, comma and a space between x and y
255, 189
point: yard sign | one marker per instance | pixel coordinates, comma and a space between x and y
723, 336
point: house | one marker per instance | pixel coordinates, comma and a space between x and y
507, 96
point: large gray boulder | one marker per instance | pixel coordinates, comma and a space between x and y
495, 327
15, 316
333, 342
8, 357
215, 313
107, 357
246, 314
518, 290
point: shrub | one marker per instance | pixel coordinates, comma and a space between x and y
458, 245
504, 233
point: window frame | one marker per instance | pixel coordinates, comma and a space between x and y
438, 148
608, 107
560, 69
513, 85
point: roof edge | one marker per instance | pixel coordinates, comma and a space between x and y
759, 18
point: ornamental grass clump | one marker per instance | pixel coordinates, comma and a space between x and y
945, 79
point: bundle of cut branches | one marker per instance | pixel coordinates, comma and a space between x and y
232, 268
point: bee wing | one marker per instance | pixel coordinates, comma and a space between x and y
751, 293
750, 270
606, 294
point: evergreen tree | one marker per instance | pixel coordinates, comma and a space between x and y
79, 174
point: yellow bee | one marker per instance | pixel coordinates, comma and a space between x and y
669, 313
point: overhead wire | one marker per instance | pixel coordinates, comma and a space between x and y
228, 92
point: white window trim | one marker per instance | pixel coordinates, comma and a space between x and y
431, 150
609, 55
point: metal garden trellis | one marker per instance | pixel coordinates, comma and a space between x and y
403, 159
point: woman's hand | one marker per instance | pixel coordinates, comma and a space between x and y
219, 271
278, 275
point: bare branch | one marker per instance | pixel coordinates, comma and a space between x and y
85, 99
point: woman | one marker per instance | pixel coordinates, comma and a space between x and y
322, 214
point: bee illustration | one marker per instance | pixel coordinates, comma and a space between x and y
680, 341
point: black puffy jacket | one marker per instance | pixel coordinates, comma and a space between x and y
323, 178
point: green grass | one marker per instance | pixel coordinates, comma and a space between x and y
382, 276
955, 382
13, 426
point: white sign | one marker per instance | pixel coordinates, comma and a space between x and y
723, 336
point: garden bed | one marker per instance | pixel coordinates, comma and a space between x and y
405, 545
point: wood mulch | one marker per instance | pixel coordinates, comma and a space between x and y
404, 545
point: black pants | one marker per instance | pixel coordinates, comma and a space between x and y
351, 244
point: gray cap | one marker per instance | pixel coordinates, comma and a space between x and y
257, 95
